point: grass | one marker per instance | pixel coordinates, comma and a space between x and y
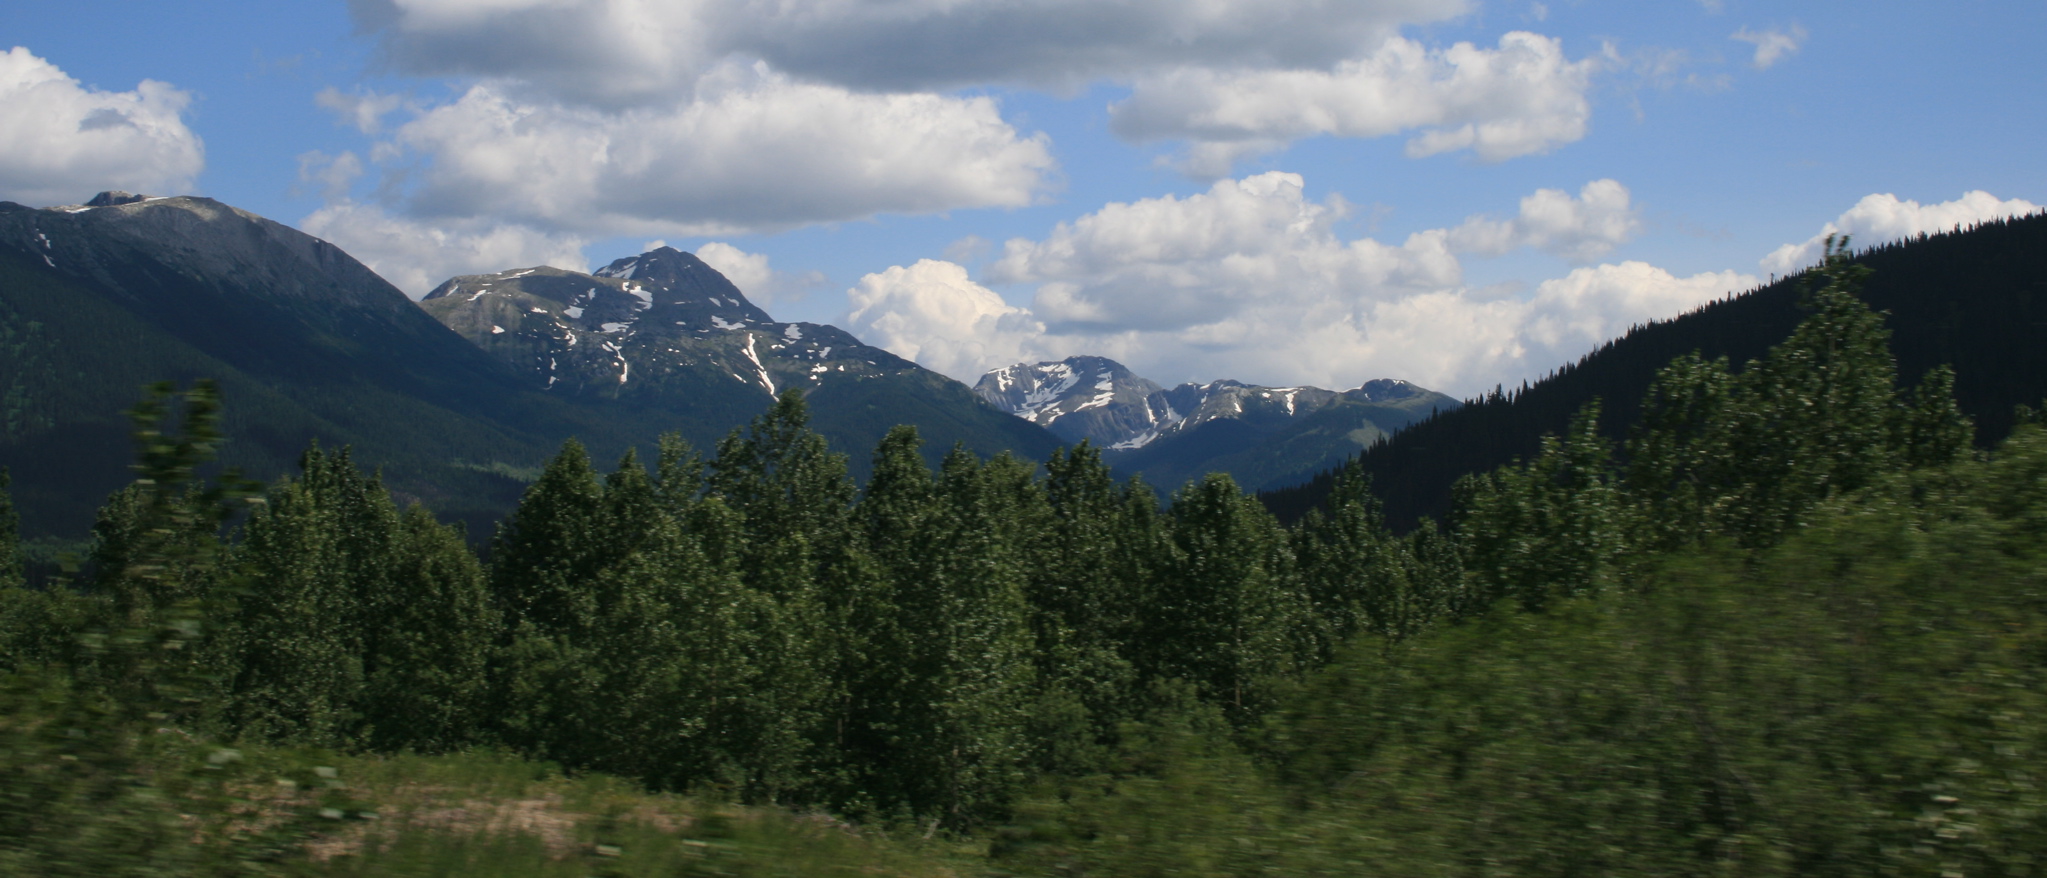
484, 814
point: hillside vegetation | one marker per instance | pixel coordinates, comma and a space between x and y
1794, 627
1974, 300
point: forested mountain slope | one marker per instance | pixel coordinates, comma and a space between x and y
1975, 299
308, 344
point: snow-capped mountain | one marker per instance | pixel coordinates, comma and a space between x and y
665, 330
1260, 434
1101, 400
1092, 398
652, 318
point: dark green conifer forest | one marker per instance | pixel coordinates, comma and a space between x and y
1794, 623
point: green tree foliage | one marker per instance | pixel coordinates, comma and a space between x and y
96, 777
1359, 578
1553, 529
426, 664
1090, 557
1227, 614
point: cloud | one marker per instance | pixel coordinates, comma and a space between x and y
934, 314
753, 150
1174, 263
1250, 280
332, 174
621, 53
364, 112
1772, 45
1230, 78
416, 257
750, 272
1580, 230
1522, 98
1882, 218
60, 142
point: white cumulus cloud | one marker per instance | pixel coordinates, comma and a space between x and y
751, 273
1229, 78
1251, 280
752, 150
416, 257
60, 141
1883, 217
618, 53
1520, 98
934, 314
1772, 45
1579, 229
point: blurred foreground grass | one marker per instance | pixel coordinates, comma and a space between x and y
485, 814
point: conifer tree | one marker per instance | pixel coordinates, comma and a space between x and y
1815, 415
10, 535
1228, 615
1678, 455
1551, 529
794, 500
292, 653
1931, 430
550, 545
1358, 577
426, 668
1086, 575
972, 676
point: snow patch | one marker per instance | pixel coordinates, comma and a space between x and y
721, 324
762, 369
574, 313
496, 329
792, 332
610, 327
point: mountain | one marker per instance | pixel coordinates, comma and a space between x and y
664, 332
1091, 398
1262, 436
99, 299
1973, 299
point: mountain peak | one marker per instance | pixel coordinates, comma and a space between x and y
1093, 398
1098, 399
682, 281
113, 197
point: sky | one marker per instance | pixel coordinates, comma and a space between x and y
1460, 193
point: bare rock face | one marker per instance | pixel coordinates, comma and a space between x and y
112, 197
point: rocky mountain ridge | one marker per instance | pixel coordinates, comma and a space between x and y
1262, 436
1102, 401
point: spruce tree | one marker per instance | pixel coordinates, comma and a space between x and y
1228, 615
292, 653
550, 546
1816, 416
426, 668
1085, 580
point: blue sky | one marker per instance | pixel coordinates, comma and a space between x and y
1456, 192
